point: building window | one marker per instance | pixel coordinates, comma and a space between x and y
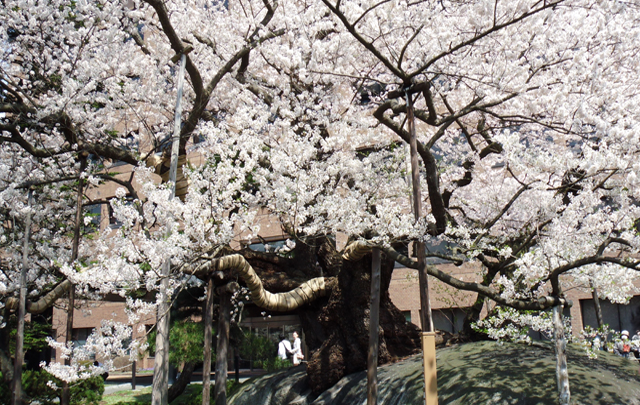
113, 221
148, 328
449, 319
440, 247
618, 317
80, 335
267, 246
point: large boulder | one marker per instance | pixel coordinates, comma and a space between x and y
472, 373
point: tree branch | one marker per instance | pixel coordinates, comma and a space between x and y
286, 301
404, 48
44, 302
437, 204
483, 34
533, 304
369, 46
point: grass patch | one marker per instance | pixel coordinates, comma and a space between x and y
143, 396
127, 396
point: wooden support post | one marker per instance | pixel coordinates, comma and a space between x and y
224, 318
206, 367
374, 322
430, 372
562, 374
160, 389
134, 367
428, 338
19, 359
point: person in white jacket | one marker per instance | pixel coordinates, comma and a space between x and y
284, 348
297, 349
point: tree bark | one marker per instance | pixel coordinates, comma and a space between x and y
19, 358
206, 368
160, 389
6, 365
562, 373
337, 327
181, 383
596, 304
374, 322
222, 349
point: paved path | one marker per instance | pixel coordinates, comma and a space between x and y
121, 382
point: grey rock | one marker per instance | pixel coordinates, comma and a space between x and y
473, 373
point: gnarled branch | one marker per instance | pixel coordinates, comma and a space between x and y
286, 301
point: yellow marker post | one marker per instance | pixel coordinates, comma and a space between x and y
428, 334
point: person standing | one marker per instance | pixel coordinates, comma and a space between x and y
623, 347
635, 346
297, 349
284, 348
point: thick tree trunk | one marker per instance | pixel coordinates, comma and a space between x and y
220, 391
337, 328
160, 388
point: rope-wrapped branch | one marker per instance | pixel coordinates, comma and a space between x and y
281, 302
357, 250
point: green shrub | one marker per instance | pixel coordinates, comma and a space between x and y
186, 339
276, 363
34, 384
258, 348
87, 391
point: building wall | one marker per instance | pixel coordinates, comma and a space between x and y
405, 294
89, 315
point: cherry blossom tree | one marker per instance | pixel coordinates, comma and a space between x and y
527, 130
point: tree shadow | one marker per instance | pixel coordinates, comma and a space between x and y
473, 373
493, 373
